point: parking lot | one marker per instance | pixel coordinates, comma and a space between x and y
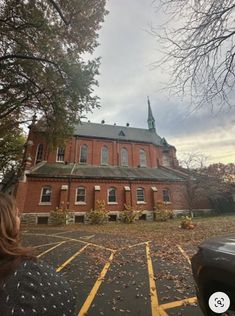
113, 274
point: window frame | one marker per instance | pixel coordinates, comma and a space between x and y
101, 158
57, 154
108, 195
76, 196
41, 152
137, 196
41, 195
80, 156
168, 195
124, 154
142, 151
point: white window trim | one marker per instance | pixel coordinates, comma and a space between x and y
61, 161
80, 202
115, 196
35, 160
126, 150
140, 202
104, 163
44, 203
145, 164
80, 162
169, 194
40, 201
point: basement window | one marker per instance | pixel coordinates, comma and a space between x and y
79, 218
42, 220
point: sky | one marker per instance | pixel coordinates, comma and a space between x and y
127, 77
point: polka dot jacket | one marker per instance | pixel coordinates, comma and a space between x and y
35, 289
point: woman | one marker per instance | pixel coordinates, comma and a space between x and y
27, 286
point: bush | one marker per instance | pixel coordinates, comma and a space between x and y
99, 215
58, 216
129, 215
187, 223
162, 213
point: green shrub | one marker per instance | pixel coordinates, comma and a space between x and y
129, 215
58, 216
99, 215
162, 213
187, 223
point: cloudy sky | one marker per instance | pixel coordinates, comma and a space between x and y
127, 77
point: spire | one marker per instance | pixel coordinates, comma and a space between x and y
151, 120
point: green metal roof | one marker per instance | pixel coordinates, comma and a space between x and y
60, 170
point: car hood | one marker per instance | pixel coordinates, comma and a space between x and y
225, 244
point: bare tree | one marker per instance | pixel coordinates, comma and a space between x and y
199, 43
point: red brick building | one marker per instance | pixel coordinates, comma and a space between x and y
117, 164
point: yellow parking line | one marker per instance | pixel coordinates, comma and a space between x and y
70, 259
73, 239
186, 301
135, 245
156, 309
92, 294
87, 237
44, 245
50, 249
184, 254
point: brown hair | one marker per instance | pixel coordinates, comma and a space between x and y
11, 250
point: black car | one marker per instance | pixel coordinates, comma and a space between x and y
214, 271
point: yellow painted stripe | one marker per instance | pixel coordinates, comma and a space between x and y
184, 254
135, 245
50, 249
96, 286
71, 259
73, 239
156, 309
186, 301
87, 237
44, 245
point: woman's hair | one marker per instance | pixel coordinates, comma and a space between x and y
10, 247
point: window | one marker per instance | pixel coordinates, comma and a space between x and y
112, 195
81, 195
39, 155
166, 195
83, 154
142, 158
60, 154
46, 194
124, 157
140, 195
166, 159
104, 155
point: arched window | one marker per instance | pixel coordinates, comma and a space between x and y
166, 195
166, 159
142, 158
81, 195
60, 154
104, 155
140, 195
39, 154
112, 197
46, 194
124, 157
83, 154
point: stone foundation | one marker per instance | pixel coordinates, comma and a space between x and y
81, 217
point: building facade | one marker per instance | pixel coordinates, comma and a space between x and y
116, 164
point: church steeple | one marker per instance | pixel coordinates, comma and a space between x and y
151, 120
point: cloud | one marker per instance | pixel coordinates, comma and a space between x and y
126, 78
